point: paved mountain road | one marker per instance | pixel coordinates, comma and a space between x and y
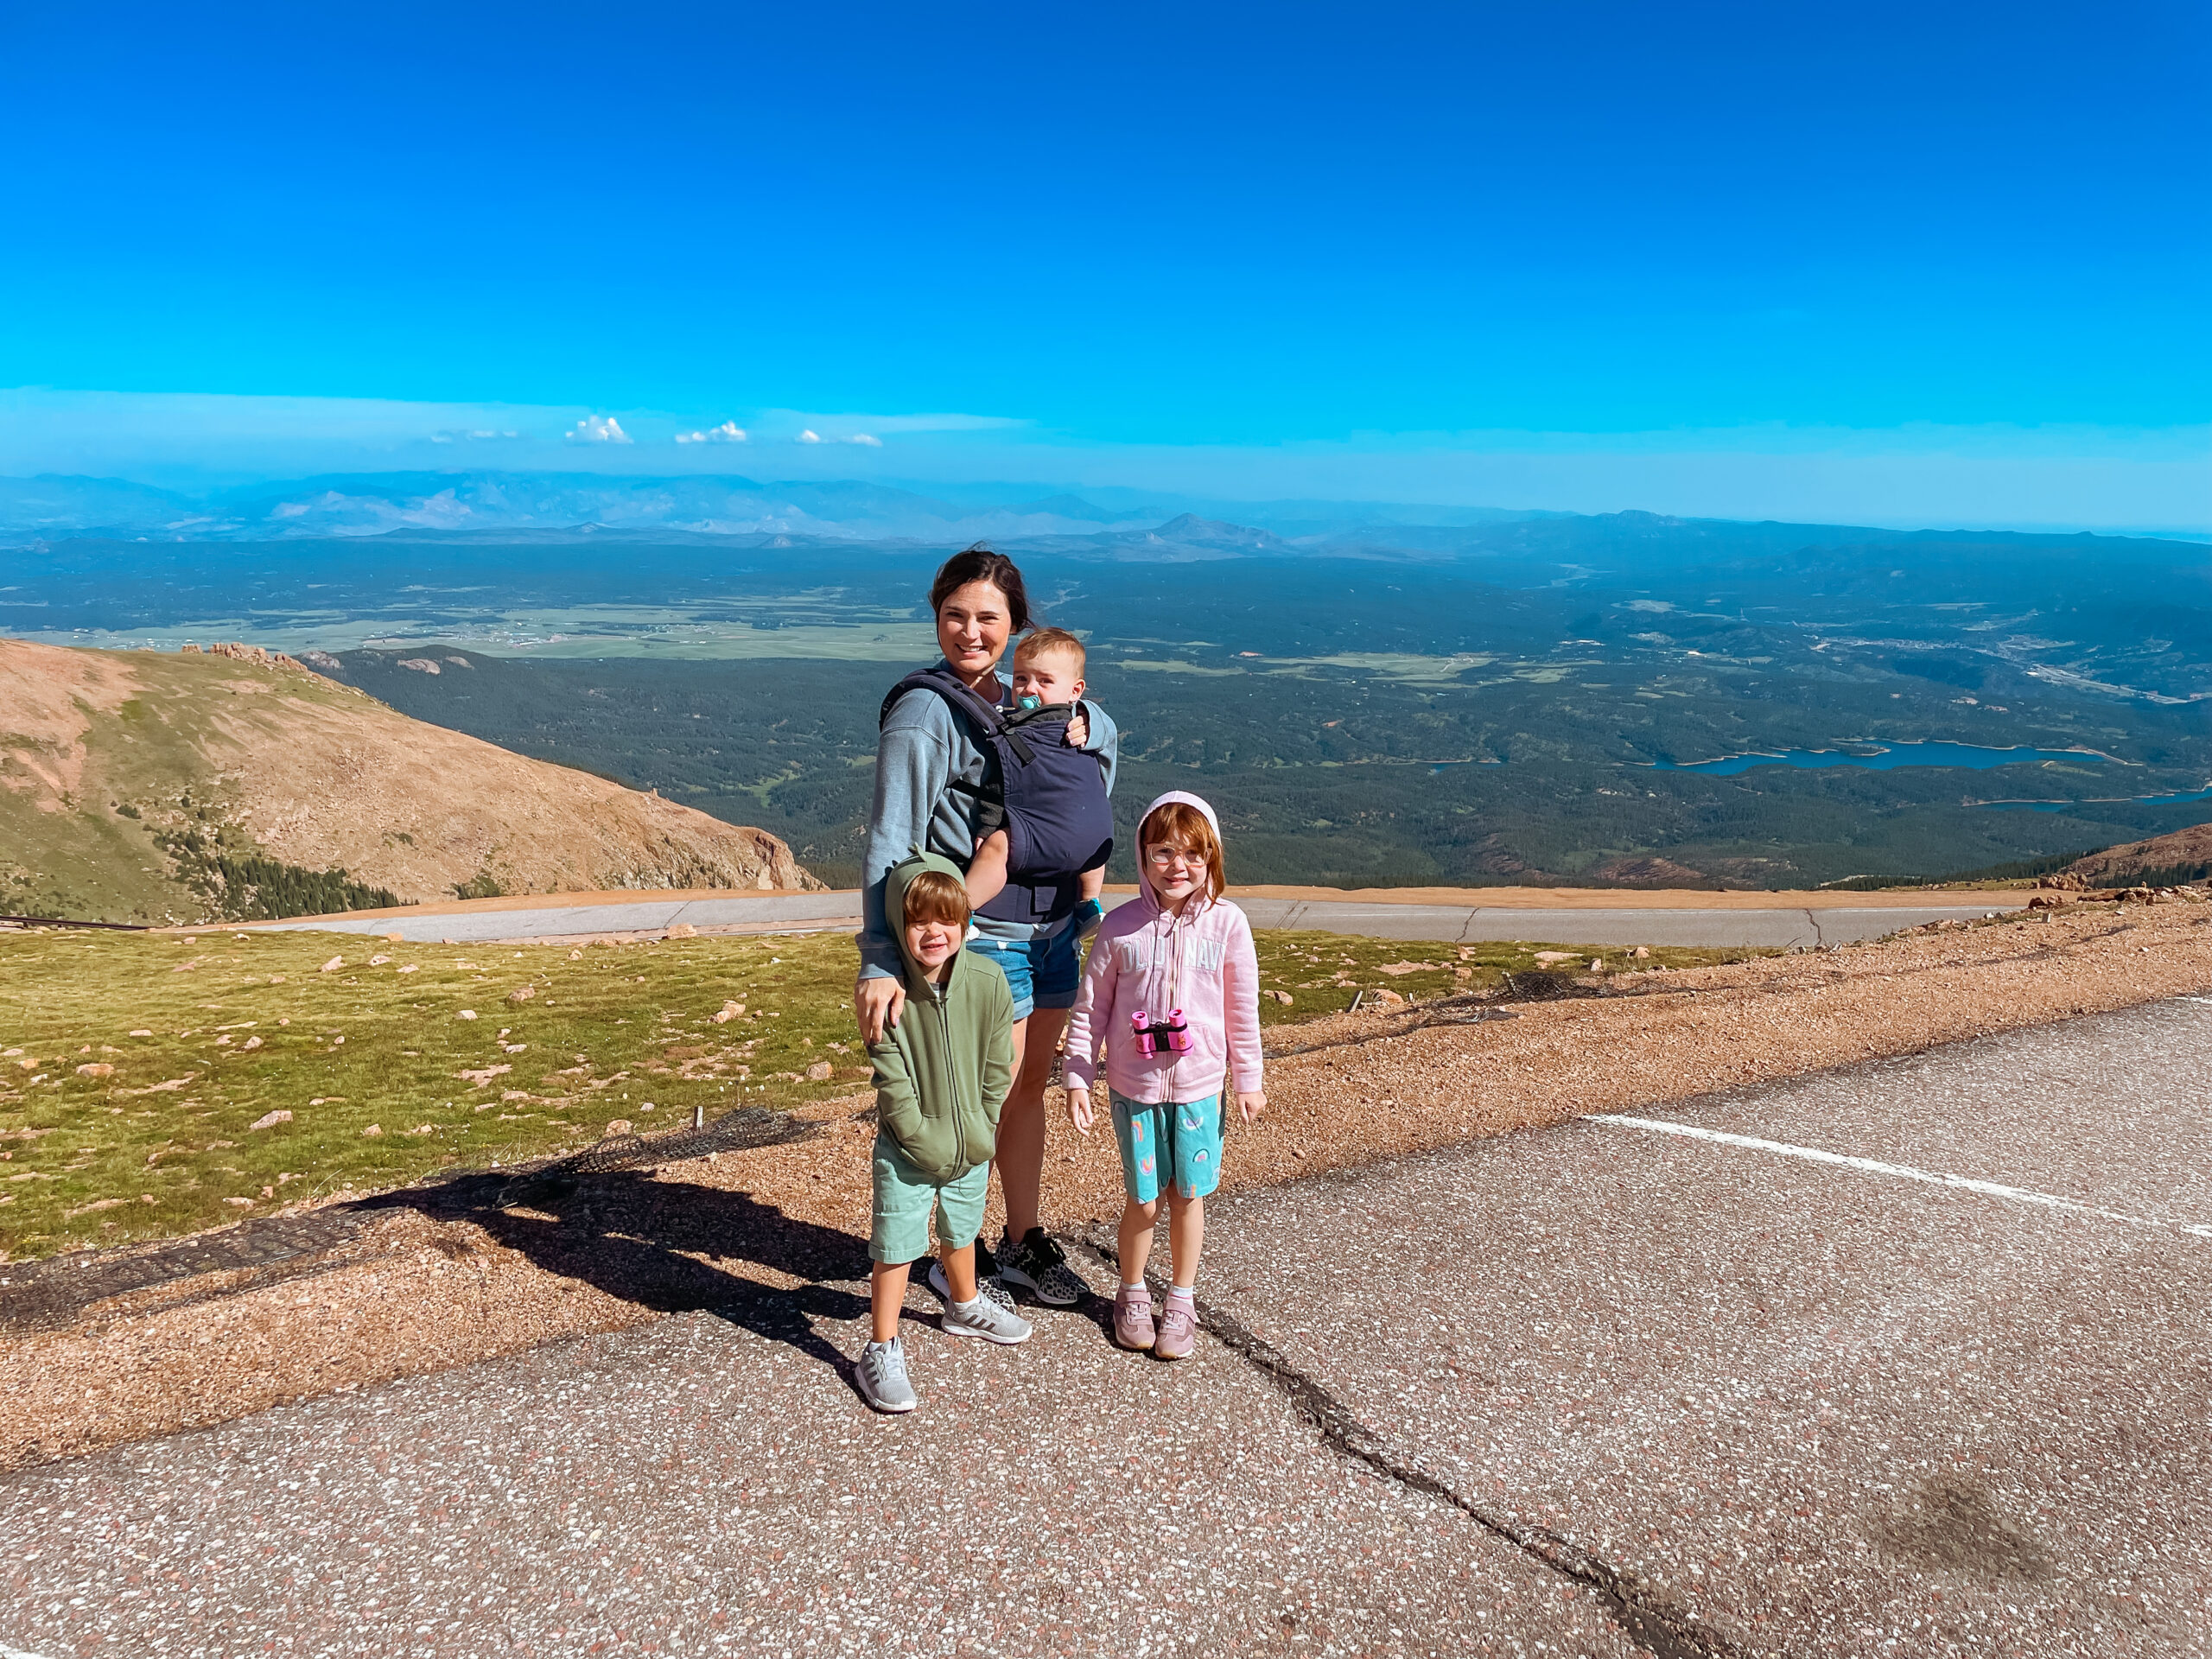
1760, 1373
599, 914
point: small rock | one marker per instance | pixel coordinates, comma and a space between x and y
818, 1072
394, 938
423, 1128
250, 1043
1389, 998
683, 931
270, 1120
372, 1132
1642, 953
619, 1126
729, 1011
409, 968
1283, 997
334, 964
465, 1014
96, 1068
378, 960
1596, 964
521, 994
142, 1033
240, 1204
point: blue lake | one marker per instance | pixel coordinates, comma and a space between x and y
2131, 800
1886, 759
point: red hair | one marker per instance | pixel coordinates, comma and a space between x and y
1178, 824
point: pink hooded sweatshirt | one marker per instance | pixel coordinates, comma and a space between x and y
1146, 958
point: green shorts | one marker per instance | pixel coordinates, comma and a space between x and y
898, 1228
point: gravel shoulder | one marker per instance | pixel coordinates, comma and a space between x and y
426, 1288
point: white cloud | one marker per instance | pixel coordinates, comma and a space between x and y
872, 441
727, 432
597, 428
809, 436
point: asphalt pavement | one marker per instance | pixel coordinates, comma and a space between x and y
1904, 1360
1778, 927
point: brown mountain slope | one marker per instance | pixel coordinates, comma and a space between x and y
2183, 855
137, 786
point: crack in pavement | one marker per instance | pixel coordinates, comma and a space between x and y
1643, 1617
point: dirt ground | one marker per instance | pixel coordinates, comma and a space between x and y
422, 1289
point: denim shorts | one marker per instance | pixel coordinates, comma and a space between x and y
1180, 1141
1041, 973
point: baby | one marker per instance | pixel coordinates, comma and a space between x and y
1047, 671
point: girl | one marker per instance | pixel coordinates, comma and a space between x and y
1172, 993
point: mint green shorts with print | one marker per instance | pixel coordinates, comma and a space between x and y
1183, 1138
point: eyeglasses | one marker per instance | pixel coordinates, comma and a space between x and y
1162, 857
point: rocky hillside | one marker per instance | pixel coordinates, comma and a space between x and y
137, 786
2162, 861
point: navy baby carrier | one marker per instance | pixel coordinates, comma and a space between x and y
1050, 799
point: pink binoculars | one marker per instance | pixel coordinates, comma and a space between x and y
1172, 1032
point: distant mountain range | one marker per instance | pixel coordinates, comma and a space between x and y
438, 505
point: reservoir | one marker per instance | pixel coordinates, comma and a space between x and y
1886, 759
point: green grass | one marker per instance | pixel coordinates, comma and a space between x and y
207, 1033
165, 1141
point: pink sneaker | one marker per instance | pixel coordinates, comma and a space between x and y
1179, 1330
1133, 1318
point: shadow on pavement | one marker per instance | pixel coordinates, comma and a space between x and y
641, 1240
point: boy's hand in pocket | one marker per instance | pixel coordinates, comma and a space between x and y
1250, 1106
1080, 1110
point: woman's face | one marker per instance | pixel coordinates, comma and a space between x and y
972, 628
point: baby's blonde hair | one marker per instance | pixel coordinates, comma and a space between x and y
1038, 643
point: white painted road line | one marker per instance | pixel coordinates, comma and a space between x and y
1874, 1166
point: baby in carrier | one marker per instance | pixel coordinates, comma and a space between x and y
1053, 806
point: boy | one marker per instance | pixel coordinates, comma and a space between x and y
941, 1075
1047, 669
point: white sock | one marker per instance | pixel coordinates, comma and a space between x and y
971, 1302
1131, 1290
1181, 1294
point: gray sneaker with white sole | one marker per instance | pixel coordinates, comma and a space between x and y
986, 1318
987, 1287
881, 1374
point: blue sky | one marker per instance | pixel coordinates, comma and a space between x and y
1384, 245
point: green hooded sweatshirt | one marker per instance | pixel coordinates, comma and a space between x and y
942, 1073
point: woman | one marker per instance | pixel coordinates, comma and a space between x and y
929, 768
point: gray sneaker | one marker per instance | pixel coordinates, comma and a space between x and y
986, 1318
989, 1288
882, 1376
1036, 1265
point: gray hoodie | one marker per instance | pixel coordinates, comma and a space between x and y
924, 747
